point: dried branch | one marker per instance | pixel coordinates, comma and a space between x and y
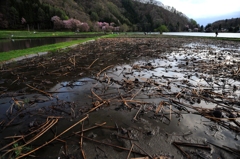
40, 90
180, 149
96, 107
54, 138
104, 70
92, 63
46, 128
119, 147
129, 153
143, 150
135, 117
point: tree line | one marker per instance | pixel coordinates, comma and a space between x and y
37, 15
128, 15
227, 25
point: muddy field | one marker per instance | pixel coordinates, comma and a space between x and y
159, 98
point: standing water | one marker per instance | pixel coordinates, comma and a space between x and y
165, 98
19, 44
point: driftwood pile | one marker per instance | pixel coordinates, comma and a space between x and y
167, 77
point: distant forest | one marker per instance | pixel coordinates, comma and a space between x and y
85, 15
226, 25
131, 15
37, 15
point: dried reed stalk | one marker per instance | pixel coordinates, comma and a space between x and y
135, 117
40, 90
96, 95
124, 101
119, 147
96, 107
129, 153
104, 70
72, 61
159, 108
81, 143
136, 93
143, 150
180, 149
26, 154
92, 63
46, 128
15, 80
97, 125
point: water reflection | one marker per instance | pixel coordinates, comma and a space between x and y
17, 44
172, 77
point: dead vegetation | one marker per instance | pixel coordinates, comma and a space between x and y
164, 78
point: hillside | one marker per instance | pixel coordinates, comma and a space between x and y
134, 15
231, 25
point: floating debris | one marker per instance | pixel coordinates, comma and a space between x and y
153, 96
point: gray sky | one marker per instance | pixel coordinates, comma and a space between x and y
206, 11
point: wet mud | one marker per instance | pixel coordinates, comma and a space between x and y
124, 98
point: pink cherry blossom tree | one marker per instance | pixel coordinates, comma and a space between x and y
106, 27
67, 24
70, 24
84, 27
76, 24
57, 22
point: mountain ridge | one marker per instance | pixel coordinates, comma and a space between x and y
137, 15
226, 25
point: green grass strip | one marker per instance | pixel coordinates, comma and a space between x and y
141, 35
30, 34
6, 56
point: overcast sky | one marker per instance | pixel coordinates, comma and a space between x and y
206, 11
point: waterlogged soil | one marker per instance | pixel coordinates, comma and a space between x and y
124, 98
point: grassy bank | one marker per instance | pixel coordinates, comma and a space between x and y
142, 35
31, 34
5, 56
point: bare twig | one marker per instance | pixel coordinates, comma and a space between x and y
180, 149
40, 90
104, 70
26, 154
136, 93
97, 125
73, 61
81, 143
159, 108
124, 101
46, 128
15, 80
96, 107
119, 147
96, 95
92, 63
129, 153
202, 146
135, 117
143, 151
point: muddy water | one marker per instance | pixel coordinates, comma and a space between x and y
156, 91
